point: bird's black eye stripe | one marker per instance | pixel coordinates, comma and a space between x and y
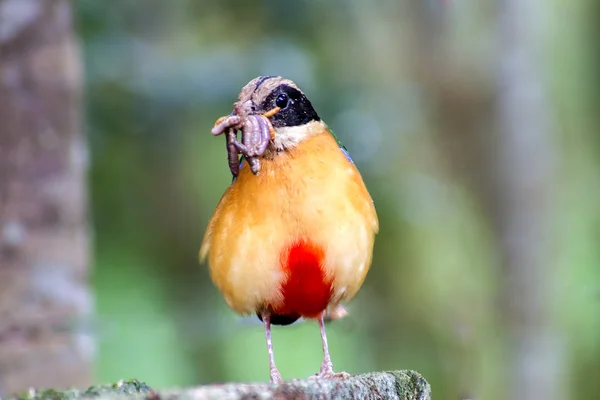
294, 107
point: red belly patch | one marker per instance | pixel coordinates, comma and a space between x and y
306, 290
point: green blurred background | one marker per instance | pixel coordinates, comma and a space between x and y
410, 87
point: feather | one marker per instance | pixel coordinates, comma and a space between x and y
308, 193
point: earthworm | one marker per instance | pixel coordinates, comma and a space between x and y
256, 135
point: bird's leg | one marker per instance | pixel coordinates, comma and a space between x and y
327, 365
275, 375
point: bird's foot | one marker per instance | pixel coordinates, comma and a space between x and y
276, 376
328, 373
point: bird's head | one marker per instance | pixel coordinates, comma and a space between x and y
291, 114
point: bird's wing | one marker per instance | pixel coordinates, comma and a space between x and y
342, 147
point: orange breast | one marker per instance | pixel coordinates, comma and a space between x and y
296, 238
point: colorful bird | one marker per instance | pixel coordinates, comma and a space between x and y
293, 235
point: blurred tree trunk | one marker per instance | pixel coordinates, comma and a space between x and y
464, 98
496, 135
524, 212
43, 232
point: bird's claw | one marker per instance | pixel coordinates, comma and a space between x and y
328, 373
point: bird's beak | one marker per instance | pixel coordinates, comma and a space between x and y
269, 114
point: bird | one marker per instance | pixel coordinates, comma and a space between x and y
293, 239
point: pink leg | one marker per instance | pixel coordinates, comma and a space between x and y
327, 365
275, 375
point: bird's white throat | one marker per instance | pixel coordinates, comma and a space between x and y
290, 136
